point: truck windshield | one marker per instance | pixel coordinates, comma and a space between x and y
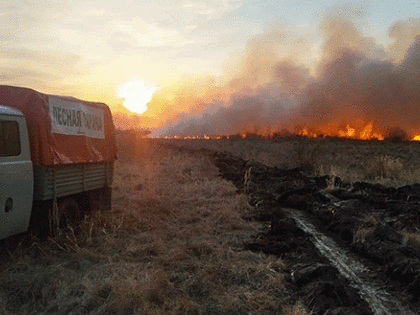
9, 138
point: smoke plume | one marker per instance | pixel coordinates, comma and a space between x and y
286, 80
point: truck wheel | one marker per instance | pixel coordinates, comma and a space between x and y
68, 212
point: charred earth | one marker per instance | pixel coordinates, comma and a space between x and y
348, 246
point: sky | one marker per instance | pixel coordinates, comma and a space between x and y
189, 59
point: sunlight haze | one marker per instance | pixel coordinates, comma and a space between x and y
202, 54
136, 94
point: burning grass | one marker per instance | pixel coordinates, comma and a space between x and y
172, 244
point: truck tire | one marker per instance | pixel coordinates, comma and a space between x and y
100, 199
69, 212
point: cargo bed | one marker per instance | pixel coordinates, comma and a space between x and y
63, 180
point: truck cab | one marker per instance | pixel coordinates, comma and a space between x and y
16, 173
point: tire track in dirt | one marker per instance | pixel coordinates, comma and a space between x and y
366, 220
361, 278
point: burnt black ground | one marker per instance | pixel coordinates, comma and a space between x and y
367, 219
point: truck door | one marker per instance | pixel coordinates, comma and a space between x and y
16, 176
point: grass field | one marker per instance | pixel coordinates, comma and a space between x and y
385, 162
172, 244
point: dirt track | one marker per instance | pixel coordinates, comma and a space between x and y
368, 221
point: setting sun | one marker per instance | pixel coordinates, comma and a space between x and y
136, 94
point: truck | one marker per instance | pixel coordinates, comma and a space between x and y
57, 157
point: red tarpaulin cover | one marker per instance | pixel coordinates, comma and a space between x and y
64, 130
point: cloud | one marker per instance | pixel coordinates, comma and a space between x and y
31, 78
29, 20
96, 34
147, 35
10, 75
37, 69
31, 56
212, 10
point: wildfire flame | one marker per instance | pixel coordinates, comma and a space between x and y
349, 133
356, 89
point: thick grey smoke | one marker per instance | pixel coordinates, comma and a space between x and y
356, 81
354, 88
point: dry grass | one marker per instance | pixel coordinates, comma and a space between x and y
388, 163
412, 239
172, 244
